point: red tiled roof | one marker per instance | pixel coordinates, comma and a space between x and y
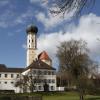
38, 64
3, 68
43, 56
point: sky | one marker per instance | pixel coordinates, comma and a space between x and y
16, 15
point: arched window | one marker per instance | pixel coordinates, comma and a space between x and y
32, 40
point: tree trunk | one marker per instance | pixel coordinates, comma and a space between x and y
81, 93
81, 97
80, 90
68, 85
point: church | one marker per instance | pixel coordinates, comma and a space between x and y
38, 66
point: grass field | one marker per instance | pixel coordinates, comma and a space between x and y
69, 96
58, 96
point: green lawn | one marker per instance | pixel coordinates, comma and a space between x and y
57, 96
69, 96
60, 98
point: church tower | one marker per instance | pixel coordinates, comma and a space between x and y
31, 43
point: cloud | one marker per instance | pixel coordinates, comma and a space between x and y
35, 1
5, 18
9, 18
50, 20
88, 29
10, 34
24, 46
24, 17
4, 2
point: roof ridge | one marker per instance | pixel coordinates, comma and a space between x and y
38, 64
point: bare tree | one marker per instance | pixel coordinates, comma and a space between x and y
23, 83
74, 60
66, 6
28, 82
35, 79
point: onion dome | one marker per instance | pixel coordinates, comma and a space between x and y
43, 56
32, 29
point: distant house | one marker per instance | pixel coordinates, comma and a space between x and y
38, 66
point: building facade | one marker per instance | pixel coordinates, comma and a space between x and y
8, 77
38, 66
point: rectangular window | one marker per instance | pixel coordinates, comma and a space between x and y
53, 73
42, 81
49, 80
5, 82
17, 75
53, 81
34, 71
34, 87
39, 72
40, 88
6, 75
32, 40
49, 73
12, 82
45, 81
45, 72
52, 88
12, 75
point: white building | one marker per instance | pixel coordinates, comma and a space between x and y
39, 65
8, 77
